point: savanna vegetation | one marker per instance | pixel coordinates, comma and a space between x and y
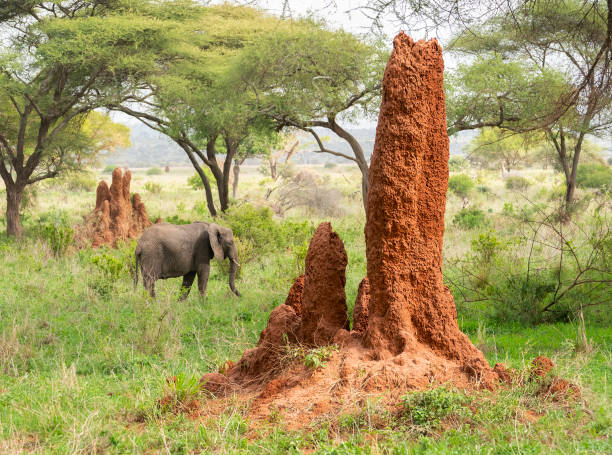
88, 364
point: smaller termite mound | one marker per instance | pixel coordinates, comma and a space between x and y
116, 216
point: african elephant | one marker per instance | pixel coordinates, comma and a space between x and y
167, 251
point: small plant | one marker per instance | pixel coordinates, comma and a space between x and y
330, 165
181, 391
53, 227
153, 188
428, 408
483, 189
594, 175
470, 218
516, 182
316, 358
109, 169
485, 247
460, 184
154, 171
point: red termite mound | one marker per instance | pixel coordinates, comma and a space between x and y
410, 308
405, 333
361, 309
115, 216
324, 309
294, 299
313, 313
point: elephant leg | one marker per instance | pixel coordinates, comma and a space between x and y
186, 286
149, 284
203, 272
148, 279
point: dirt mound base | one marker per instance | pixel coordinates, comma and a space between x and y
116, 217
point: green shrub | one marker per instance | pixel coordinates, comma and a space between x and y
109, 169
470, 218
521, 298
153, 188
154, 171
330, 165
318, 357
483, 189
557, 193
195, 181
460, 184
82, 181
485, 249
257, 225
429, 407
457, 164
174, 219
516, 182
53, 227
594, 175
116, 262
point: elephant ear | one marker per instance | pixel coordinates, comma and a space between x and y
214, 235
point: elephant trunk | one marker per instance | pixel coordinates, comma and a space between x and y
232, 276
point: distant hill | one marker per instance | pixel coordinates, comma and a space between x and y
151, 148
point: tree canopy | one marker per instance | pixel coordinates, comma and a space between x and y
61, 60
544, 68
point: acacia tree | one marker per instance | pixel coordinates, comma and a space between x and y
494, 147
101, 135
309, 77
202, 102
61, 60
544, 69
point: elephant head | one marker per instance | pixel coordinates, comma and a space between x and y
223, 246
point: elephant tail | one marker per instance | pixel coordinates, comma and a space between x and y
137, 258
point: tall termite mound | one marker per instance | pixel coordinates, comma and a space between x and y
410, 308
116, 217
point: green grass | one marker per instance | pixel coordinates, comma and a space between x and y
84, 361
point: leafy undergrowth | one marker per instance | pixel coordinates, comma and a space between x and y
86, 362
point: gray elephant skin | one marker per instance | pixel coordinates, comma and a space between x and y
168, 251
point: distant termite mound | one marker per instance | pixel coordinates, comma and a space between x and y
116, 217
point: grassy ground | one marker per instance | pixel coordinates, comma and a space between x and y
84, 358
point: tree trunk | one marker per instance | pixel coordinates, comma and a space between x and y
359, 157
231, 147
571, 177
14, 195
210, 202
237, 164
273, 165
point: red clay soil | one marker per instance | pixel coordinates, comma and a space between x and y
115, 216
406, 334
294, 299
360, 310
324, 309
541, 366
